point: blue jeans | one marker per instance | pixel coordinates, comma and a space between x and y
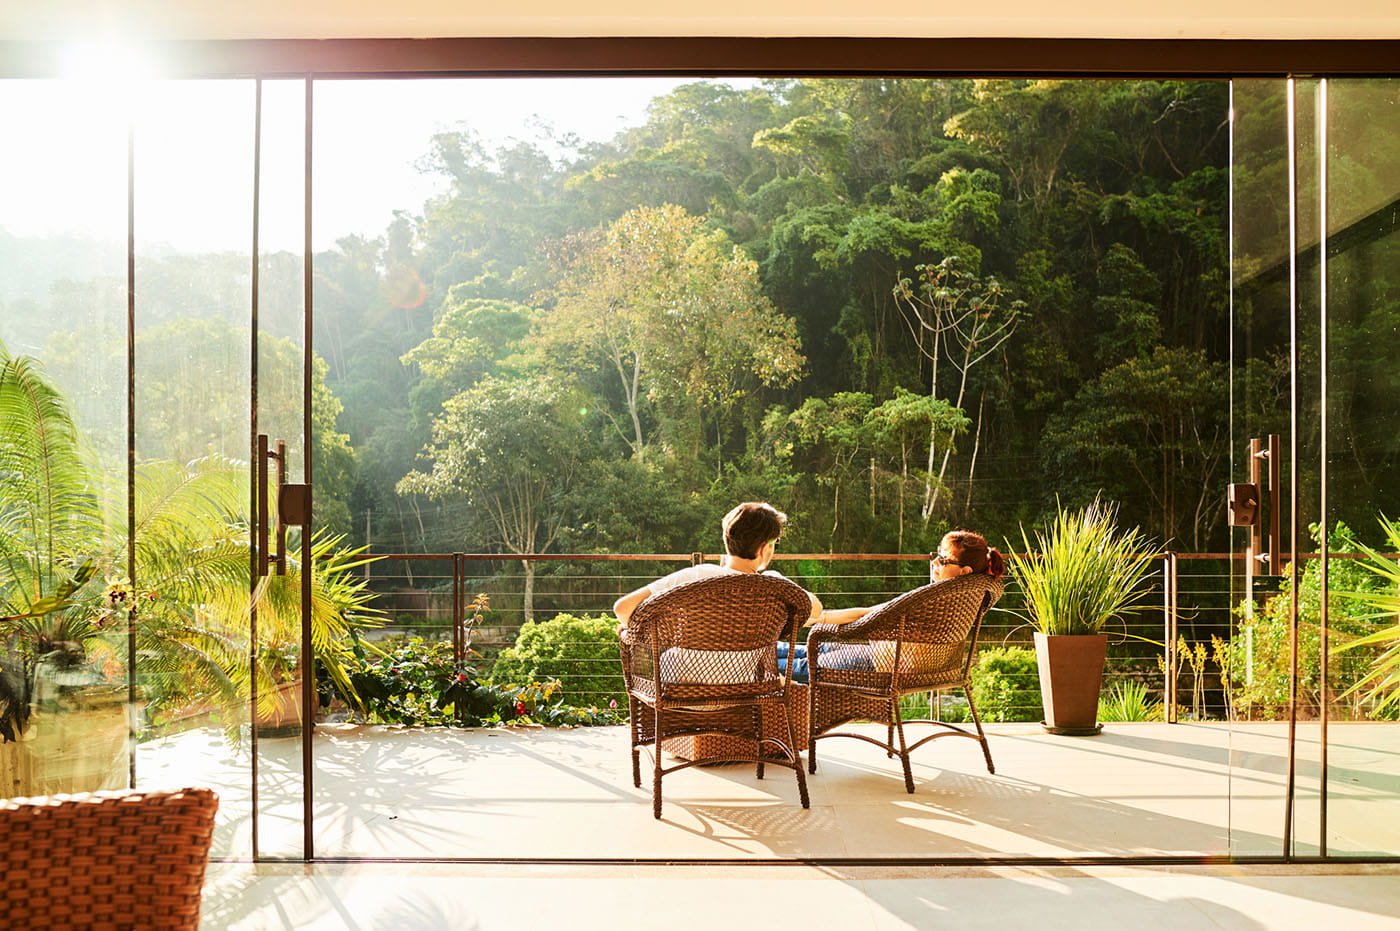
834, 656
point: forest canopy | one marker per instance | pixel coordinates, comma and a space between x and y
889, 306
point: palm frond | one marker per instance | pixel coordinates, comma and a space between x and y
1381, 683
48, 510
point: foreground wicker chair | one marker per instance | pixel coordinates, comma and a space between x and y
922, 641
702, 659
127, 859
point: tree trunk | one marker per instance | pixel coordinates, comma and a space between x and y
903, 480
976, 443
948, 453
872, 486
407, 563
926, 509
529, 598
632, 391
835, 517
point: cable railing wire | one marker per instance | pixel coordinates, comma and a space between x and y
426, 595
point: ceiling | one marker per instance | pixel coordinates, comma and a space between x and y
61, 20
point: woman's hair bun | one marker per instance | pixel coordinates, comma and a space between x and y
996, 566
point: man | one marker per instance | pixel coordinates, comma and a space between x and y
751, 534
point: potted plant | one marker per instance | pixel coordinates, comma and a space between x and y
1078, 576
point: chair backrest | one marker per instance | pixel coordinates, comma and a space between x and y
932, 631
718, 635
127, 859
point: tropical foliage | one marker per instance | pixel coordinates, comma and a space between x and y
1258, 660
1128, 701
190, 603
416, 682
1378, 640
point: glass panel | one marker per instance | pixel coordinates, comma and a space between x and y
1308, 744
1362, 458
281, 342
64, 718
1258, 654
461, 253
193, 221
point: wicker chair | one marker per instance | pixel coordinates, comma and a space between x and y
701, 658
922, 641
106, 860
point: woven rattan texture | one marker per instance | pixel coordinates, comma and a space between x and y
922, 641
701, 659
106, 860
719, 746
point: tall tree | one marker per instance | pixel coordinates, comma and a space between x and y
1153, 432
672, 314
513, 452
954, 314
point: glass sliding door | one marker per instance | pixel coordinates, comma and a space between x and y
1358, 262
278, 442
65, 597
1257, 676
1315, 181
192, 196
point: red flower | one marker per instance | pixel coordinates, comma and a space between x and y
520, 709
461, 677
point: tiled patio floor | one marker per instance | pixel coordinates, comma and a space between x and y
1136, 790
478, 897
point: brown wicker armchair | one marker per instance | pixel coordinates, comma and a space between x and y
702, 659
126, 859
922, 641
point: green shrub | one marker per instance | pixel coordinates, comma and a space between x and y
416, 683
1006, 685
580, 652
1257, 662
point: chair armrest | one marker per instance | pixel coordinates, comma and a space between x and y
874, 626
626, 642
818, 634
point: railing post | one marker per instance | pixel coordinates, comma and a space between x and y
697, 558
459, 612
1169, 631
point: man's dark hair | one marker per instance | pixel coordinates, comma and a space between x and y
749, 526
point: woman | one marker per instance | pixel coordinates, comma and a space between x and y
960, 552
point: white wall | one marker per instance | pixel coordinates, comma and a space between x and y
225, 19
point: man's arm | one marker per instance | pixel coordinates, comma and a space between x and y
625, 605
816, 614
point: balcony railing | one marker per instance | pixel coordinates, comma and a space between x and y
430, 595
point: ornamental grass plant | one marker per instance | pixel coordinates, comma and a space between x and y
1083, 572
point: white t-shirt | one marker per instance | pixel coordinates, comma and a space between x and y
705, 667
689, 574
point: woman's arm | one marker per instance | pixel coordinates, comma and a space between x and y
844, 615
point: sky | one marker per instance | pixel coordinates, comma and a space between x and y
66, 173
